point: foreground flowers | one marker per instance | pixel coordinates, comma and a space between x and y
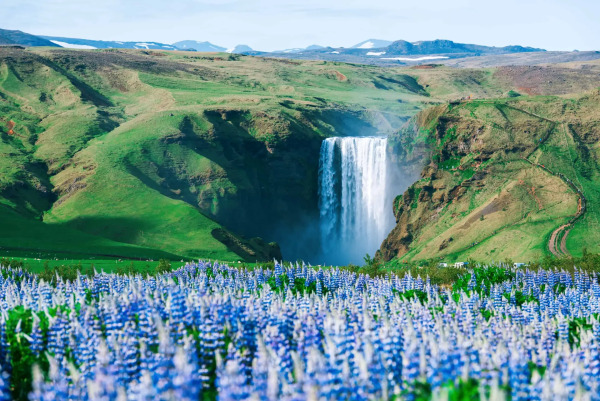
295, 333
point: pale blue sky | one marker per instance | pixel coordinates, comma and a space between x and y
278, 24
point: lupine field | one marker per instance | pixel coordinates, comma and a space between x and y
213, 332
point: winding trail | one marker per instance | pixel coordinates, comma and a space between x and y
557, 244
553, 242
563, 242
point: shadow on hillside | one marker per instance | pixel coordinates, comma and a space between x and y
84, 236
251, 250
120, 229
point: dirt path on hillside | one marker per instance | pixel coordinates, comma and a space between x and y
552, 243
563, 243
554, 247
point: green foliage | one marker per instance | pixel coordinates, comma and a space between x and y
588, 262
512, 93
369, 261
164, 266
22, 360
536, 368
484, 276
559, 288
397, 201
299, 286
463, 390
521, 298
144, 270
14, 263
576, 327
450, 163
66, 272
420, 391
374, 267
467, 173
412, 294
416, 193
437, 275
487, 314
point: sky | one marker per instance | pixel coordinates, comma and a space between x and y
279, 24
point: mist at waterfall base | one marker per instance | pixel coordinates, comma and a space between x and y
356, 192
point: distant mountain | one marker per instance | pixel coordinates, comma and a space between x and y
402, 47
370, 51
8, 37
300, 49
240, 49
402, 52
372, 44
74, 43
198, 46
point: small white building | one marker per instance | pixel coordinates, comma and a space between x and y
443, 264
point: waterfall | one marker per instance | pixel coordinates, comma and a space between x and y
354, 204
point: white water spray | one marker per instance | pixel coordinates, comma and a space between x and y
354, 204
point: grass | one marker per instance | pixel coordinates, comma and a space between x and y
22, 236
108, 162
37, 265
128, 154
494, 205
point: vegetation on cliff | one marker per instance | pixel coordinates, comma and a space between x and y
504, 178
155, 154
144, 154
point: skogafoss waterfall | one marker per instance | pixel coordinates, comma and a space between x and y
354, 204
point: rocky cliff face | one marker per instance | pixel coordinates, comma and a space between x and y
498, 179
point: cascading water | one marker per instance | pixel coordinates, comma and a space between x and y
354, 204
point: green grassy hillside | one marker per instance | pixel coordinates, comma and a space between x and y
506, 178
183, 155
152, 154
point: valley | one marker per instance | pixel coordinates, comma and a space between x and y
150, 154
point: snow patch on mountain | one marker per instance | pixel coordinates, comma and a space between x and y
240, 49
375, 53
72, 46
367, 45
153, 45
372, 44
